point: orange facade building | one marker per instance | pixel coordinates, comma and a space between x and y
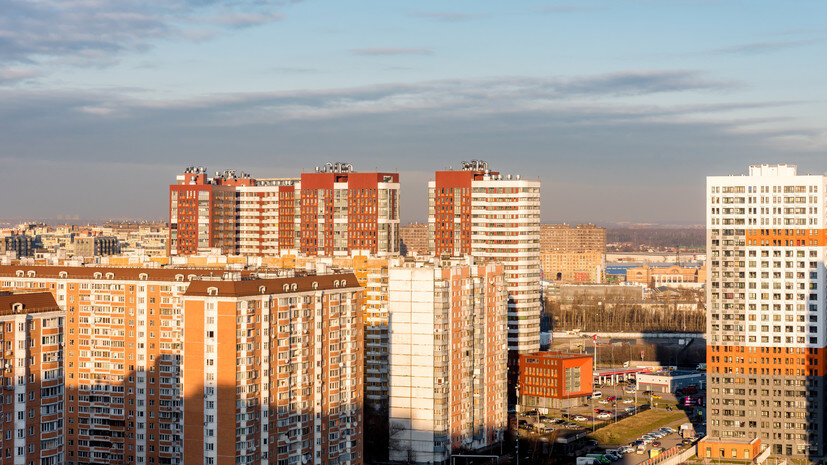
724, 449
136, 394
329, 212
32, 398
554, 379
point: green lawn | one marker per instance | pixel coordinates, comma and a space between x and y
635, 426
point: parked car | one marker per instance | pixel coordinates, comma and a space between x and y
604, 416
604, 401
580, 418
597, 395
656, 444
629, 401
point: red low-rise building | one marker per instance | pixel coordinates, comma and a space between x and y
554, 379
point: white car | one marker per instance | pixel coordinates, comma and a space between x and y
629, 401
604, 401
627, 449
604, 416
580, 418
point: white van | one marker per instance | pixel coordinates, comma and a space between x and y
597, 395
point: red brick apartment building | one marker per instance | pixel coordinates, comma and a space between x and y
267, 369
554, 379
31, 400
332, 211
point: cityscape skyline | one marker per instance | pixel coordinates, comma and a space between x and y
578, 95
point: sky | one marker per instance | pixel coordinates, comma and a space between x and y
620, 107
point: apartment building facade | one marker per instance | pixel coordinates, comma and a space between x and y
126, 354
273, 371
766, 309
491, 217
332, 211
577, 239
32, 398
448, 360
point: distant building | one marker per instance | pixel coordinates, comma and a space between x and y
672, 276
414, 239
31, 328
97, 246
554, 380
447, 360
564, 238
332, 211
579, 267
22, 244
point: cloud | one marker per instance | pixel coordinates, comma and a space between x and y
380, 51
447, 16
764, 47
242, 20
11, 75
98, 31
589, 138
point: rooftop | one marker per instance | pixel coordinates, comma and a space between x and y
34, 302
289, 285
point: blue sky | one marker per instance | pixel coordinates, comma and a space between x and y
620, 107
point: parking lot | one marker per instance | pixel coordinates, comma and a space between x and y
613, 404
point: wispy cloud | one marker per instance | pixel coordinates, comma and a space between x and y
378, 51
764, 47
98, 31
242, 20
12, 75
448, 16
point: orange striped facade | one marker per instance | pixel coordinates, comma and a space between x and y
786, 237
780, 361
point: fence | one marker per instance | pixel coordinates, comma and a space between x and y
672, 456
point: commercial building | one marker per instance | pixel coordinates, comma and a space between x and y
333, 211
134, 389
669, 381
31, 352
554, 380
414, 239
765, 301
726, 449
669, 276
97, 246
493, 217
448, 356
579, 239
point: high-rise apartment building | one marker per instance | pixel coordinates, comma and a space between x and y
273, 370
492, 217
201, 213
131, 375
448, 357
766, 309
333, 211
32, 398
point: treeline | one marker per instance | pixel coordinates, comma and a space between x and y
623, 318
692, 238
